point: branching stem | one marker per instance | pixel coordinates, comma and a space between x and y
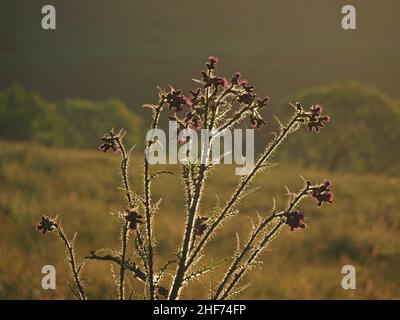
241, 187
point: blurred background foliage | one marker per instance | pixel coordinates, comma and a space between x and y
360, 139
363, 136
75, 123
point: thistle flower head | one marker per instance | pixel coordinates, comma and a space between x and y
235, 78
217, 82
134, 219
46, 224
295, 219
246, 98
213, 81
176, 100
110, 142
246, 95
195, 123
245, 85
314, 118
323, 193
212, 62
195, 98
200, 226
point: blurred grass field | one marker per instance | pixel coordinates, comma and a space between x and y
361, 228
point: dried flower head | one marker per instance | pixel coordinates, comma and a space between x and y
295, 219
46, 224
195, 99
134, 219
212, 62
110, 142
246, 95
195, 123
314, 118
235, 78
200, 226
323, 193
213, 81
176, 100
246, 98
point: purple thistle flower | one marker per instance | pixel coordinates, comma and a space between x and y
246, 98
235, 78
196, 97
200, 226
133, 218
295, 219
196, 123
323, 193
109, 142
216, 82
176, 100
212, 62
315, 121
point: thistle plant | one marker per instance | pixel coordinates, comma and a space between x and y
218, 104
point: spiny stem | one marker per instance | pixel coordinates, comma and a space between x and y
72, 261
241, 187
250, 260
124, 238
260, 247
191, 216
147, 205
147, 198
186, 179
180, 273
236, 118
243, 253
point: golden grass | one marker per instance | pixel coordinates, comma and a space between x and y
361, 228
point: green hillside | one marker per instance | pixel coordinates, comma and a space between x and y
363, 135
26, 116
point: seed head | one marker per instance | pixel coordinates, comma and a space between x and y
46, 224
200, 226
110, 142
134, 219
295, 219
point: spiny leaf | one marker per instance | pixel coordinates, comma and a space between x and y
160, 173
237, 242
197, 81
238, 291
149, 106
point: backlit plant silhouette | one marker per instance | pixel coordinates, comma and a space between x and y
218, 104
